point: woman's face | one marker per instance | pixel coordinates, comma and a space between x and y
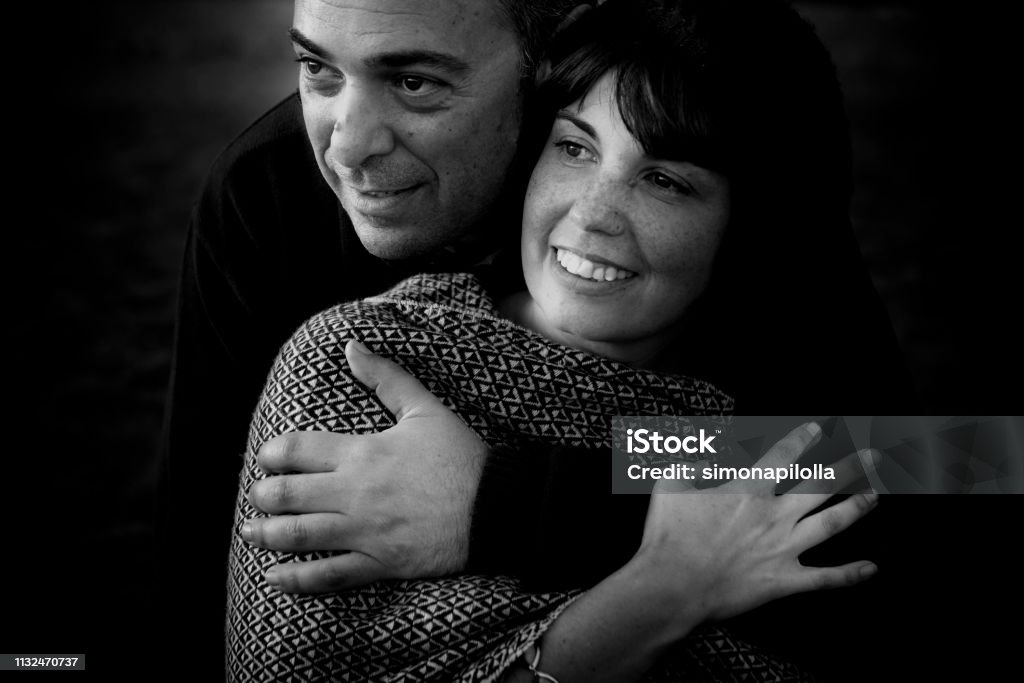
616, 244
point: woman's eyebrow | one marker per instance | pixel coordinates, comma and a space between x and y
578, 122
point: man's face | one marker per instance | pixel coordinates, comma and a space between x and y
413, 108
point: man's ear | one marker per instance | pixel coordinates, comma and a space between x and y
576, 12
544, 68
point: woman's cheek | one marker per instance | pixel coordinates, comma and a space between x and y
543, 202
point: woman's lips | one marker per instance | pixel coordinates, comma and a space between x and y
591, 268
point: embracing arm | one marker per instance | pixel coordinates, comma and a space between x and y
425, 498
406, 499
707, 555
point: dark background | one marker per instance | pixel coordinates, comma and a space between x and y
116, 111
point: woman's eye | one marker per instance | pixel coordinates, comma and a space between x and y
666, 183
573, 152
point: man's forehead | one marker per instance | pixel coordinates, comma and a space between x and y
457, 24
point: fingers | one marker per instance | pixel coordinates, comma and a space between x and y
815, 492
401, 393
848, 471
819, 527
820, 578
302, 452
789, 449
327, 575
300, 533
299, 493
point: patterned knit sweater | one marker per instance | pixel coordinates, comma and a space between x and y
511, 386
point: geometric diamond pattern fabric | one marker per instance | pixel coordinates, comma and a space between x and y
512, 387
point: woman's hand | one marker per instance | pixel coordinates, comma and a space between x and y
720, 552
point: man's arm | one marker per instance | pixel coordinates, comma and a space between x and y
403, 500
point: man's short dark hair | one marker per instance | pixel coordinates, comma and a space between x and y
534, 22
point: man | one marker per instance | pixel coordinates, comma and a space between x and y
395, 162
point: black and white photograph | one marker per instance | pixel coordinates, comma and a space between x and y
327, 313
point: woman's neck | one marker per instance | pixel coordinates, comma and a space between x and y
651, 353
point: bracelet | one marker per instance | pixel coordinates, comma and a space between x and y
534, 671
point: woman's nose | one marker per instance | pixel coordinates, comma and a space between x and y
361, 128
597, 210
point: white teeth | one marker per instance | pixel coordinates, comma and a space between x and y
581, 267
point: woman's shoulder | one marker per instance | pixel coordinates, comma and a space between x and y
463, 293
450, 319
421, 307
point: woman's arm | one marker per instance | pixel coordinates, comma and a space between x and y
706, 555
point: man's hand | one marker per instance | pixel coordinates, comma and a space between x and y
399, 501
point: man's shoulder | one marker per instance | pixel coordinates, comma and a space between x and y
273, 146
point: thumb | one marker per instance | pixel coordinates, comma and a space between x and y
400, 392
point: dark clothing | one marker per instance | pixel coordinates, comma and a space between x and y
269, 246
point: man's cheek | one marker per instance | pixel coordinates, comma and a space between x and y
319, 131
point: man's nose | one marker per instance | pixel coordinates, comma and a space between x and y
361, 128
599, 209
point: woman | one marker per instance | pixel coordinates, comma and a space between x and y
641, 215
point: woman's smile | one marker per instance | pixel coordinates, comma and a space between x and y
617, 242
591, 267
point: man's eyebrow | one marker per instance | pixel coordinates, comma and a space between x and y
428, 58
579, 123
393, 60
305, 43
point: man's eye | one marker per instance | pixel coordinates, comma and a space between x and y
573, 152
309, 66
418, 86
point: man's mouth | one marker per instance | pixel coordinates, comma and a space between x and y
584, 268
379, 194
382, 202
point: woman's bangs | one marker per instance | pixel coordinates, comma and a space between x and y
661, 104
663, 108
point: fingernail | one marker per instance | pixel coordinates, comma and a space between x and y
868, 571
358, 346
272, 576
813, 429
872, 498
247, 531
870, 456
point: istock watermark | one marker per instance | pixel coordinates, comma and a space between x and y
887, 454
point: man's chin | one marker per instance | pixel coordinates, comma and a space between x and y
396, 242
